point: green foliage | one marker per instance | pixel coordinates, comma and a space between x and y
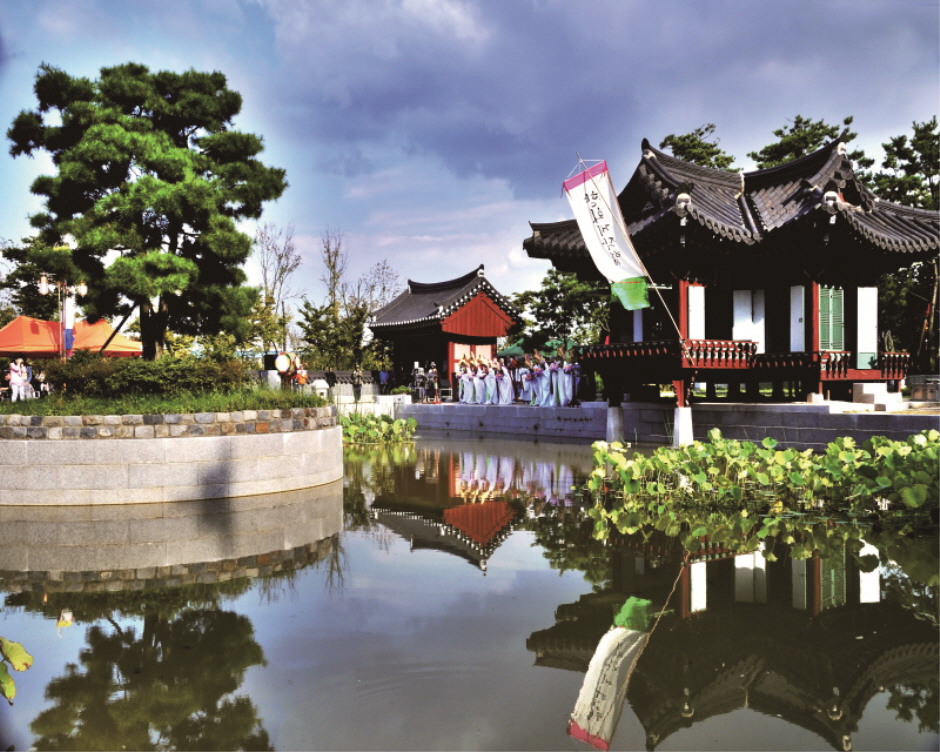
400, 390
30, 261
911, 168
156, 404
361, 428
15, 655
333, 336
882, 473
148, 164
564, 308
802, 137
739, 493
699, 148
92, 375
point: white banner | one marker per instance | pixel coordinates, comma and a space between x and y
592, 197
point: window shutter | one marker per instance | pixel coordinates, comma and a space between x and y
831, 318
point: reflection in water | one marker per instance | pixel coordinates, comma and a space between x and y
810, 640
174, 647
169, 679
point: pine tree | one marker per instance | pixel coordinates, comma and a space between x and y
148, 166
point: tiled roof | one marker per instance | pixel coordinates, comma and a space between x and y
427, 303
752, 215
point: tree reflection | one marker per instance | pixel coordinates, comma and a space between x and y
168, 682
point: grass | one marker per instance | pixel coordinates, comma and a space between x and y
151, 404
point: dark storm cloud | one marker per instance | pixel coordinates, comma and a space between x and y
511, 90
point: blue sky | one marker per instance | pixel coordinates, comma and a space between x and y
430, 132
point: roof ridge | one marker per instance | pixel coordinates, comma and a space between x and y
426, 287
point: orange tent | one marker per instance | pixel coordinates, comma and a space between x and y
28, 336
93, 336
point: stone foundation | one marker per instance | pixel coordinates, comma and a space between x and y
137, 459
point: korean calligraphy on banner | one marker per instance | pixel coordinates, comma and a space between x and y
592, 197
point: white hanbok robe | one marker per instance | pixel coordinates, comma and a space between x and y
506, 392
525, 388
549, 386
492, 398
479, 387
565, 386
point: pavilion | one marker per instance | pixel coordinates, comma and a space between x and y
770, 277
442, 322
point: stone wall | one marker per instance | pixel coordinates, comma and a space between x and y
523, 422
801, 426
135, 459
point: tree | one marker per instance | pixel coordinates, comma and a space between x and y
696, 147
335, 332
149, 167
279, 259
564, 308
804, 136
21, 283
911, 169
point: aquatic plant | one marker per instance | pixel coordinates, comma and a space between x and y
14, 654
742, 497
362, 428
880, 474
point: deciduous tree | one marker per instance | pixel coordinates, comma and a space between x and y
150, 181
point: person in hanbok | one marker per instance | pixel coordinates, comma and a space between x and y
462, 379
491, 397
538, 379
550, 387
524, 388
479, 384
506, 392
565, 383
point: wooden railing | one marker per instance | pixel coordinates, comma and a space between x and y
704, 354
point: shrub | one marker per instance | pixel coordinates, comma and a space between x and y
92, 375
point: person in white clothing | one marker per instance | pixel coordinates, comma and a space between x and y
479, 384
492, 398
506, 392
17, 380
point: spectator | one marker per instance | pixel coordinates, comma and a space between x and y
357, 383
330, 378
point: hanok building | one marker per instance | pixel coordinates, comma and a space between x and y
442, 322
769, 276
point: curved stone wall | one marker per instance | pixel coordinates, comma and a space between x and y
157, 458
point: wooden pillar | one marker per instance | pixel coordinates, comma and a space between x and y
816, 584
685, 593
812, 319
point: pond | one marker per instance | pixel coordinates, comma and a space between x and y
447, 595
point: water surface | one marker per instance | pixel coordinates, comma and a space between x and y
444, 596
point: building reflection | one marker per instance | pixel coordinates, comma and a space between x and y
468, 500
810, 641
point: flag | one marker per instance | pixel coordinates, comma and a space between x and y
69, 324
592, 197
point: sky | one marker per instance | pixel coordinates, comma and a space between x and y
431, 132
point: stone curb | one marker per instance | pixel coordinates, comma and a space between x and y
170, 425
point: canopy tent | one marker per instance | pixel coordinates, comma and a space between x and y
41, 339
516, 350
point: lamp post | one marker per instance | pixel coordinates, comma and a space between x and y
63, 291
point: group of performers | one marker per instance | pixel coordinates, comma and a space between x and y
533, 380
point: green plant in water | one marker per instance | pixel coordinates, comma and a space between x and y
16, 656
360, 428
744, 497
